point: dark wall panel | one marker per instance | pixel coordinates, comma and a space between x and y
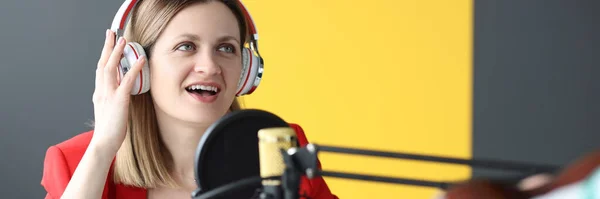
536, 85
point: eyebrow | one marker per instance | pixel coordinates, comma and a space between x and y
195, 37
188, 36
228, 38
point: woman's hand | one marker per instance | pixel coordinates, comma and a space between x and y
529, 183
111, 107
111, 98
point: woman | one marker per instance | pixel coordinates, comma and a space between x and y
194, 50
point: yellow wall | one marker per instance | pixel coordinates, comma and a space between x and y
387, 74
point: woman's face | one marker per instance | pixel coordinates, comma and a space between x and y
196, 64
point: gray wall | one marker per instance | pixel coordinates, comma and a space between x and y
535, 64
537, 68
48, 55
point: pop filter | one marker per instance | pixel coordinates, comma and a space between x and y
228, 151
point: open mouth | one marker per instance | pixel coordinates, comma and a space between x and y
203, 90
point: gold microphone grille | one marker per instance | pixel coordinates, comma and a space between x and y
270, 142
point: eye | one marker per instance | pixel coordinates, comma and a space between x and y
185, 47
227, 48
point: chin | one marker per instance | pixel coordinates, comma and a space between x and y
205, 113
203, 117
198, 108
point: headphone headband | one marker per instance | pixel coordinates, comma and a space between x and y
120, 20
251, 27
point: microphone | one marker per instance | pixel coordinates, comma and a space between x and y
272, 141
232, 161
227, 157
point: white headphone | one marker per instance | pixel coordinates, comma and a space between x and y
252, 62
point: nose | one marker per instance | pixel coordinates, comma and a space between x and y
205, 63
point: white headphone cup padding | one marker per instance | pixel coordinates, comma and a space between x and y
245, 59
252, 68
142, 83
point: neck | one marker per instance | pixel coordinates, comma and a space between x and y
181, 139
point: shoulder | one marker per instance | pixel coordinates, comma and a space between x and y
316, 187
60, 163
75, 145
302, 139
68, 152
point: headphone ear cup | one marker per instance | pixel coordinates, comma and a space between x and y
251, 73
244, 72
131, 53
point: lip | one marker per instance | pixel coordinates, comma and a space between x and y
206, 83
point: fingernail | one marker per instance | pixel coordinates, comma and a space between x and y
141, 58
107, 32
121, 40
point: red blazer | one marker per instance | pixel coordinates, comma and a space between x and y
62, 159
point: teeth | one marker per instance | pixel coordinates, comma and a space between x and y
203, 87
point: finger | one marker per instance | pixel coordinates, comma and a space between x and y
106, 50
439, 195
110, 69
131, 76
109, 43
535, 181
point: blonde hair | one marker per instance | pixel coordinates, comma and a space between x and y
143, 160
